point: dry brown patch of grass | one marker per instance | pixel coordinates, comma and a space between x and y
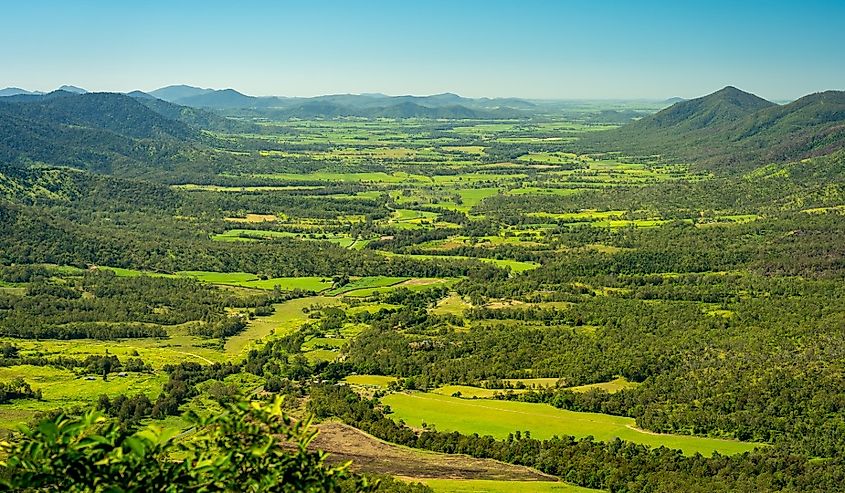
253, 218
369, 454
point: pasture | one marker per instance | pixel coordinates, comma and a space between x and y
501, 418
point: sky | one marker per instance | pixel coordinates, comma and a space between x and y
543, 49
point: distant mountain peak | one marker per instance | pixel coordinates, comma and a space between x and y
231, 91
15, 91
73, 89
178, 91
738, 97
140, 94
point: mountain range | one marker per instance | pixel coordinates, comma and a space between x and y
445, 105
135, 133
371, 105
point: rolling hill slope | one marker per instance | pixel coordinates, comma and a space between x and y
101, 132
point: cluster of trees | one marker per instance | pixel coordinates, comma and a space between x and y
241, 448
101, 305
18, 388
127, 410
220, 328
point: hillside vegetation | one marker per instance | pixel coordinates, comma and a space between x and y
734, 130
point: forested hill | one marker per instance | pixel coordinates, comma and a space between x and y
195, 118
723, 107
731, 130
108, 133
115, 113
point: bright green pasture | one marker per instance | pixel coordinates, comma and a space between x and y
305, 283
219, 188
499, 418
233, 278
416, 284
320, 355
493, 486
542, 191
368, 283
286, 318
247, 235
178, 347
63, 388
552, 158
241, 279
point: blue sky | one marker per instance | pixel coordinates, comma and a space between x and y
525, 48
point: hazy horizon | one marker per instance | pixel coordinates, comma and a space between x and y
610, 50
367, 93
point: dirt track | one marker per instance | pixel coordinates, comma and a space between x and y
369, 454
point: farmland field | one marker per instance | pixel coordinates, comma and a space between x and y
501, 418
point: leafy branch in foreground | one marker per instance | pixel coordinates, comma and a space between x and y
249, 446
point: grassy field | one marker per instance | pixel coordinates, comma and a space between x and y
63, 388
288, 317
499, 418
363, 283
453, 304
416, 284
612, 386
179, 346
